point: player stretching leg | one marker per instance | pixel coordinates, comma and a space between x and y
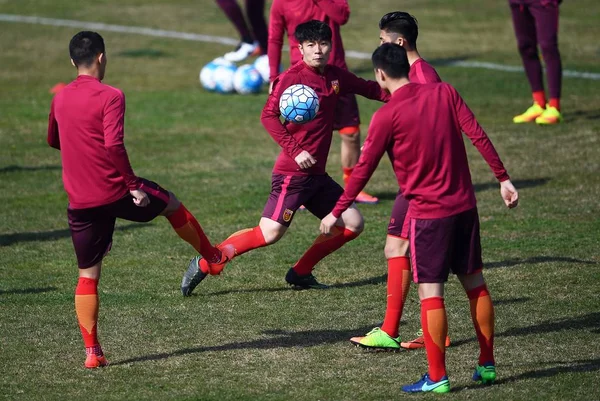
86, 124
299, 176
443, 222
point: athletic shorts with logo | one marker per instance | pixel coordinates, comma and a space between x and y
398, 225
440, 246
92, 229
318, 193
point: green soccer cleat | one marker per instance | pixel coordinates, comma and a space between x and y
486, 373
377, 339
305, 282
530, 114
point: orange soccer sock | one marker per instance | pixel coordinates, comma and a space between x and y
398, 275
242, 242
86, 307
435, 330
555, 102
323, 246
187, 227
347, 173
539, 97
482, 314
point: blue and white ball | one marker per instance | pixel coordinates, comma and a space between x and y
262, 65
247, 80
299, 104
207, 73
224, 78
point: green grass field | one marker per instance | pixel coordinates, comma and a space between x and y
245, 335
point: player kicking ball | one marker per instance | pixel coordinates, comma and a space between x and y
299, 176
443, 221
86, 124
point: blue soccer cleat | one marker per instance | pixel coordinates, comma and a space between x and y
426, 385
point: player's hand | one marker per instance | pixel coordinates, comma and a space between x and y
327, 224
305, 160
509, 194
140, 198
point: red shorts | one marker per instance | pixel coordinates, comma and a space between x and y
346, 112
92, 228
441, 246
318, 193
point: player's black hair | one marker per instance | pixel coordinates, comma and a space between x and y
391, 59
401, 23
313, 31
85, 46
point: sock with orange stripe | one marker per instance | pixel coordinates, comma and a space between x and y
323, 246
435, 329
555, 102
398, 275
482, 314
242, 241
347, 173
86, 307
539, 97
187, 227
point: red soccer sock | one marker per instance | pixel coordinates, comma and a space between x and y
398, 274
323, 246
482, 314
435, 330
539, 97
187, 227
347, 173
555, 102
86, 307
242, 242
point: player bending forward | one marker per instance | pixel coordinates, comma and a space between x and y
430, 162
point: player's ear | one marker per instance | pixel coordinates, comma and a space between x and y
101, 58
73, 63
301, 48
400, 41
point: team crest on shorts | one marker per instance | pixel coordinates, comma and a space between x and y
287, 215
335, 84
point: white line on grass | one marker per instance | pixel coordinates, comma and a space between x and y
99, 26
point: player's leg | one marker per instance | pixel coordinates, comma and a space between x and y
431, 250
91, 232
347, 123
546, 25
325, 193
233, 11
255, 10
468, 263
524, 26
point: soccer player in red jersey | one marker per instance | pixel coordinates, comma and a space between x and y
402, 29
251, 43
536, 23
86, 124
430, 162
299, 176
285, 15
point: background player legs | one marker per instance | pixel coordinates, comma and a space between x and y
87, 304
435, 327
398, 282
247, 46
255, 11
350, 153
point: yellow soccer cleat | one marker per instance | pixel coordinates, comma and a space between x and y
550, 116
530, 114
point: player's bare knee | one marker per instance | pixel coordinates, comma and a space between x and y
353, 220
271, 230
395, 247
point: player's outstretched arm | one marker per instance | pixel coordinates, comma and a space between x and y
337, 10
509, 194
350, 83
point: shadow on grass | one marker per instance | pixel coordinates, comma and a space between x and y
590, 322
519, 184
535, 260
14, 168
139, 53
582, 115
276, 339
10, 239
360, 283
27, 291
578, 366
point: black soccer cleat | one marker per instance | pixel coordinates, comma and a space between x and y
192, 277
305, 282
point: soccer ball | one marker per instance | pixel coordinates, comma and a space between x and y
262, 65
224, 78
207, 73
299, 104
247, 80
